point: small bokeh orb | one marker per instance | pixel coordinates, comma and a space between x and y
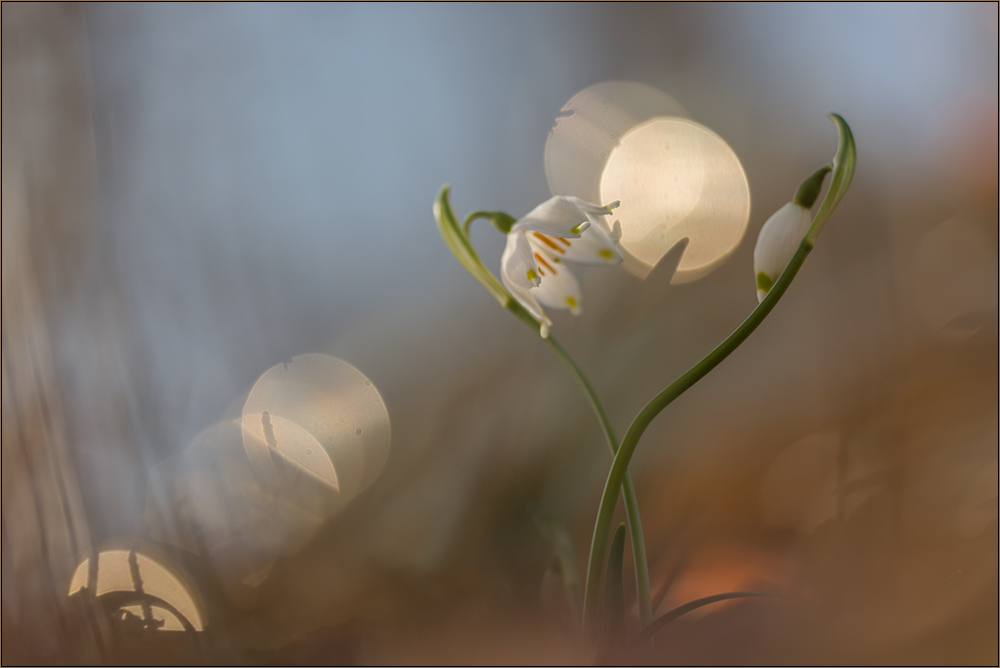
209, 500
321, 416
141, 583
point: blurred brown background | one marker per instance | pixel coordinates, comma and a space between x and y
193, 194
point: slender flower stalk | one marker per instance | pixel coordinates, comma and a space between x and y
628, 489
457, 238
843, 170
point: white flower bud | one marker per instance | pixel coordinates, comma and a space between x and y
778, 240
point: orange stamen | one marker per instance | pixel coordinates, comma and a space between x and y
541, 260
547, 240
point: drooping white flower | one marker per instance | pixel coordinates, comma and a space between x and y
560, 230
778, 240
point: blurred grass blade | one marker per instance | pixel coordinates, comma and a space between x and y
660, 622
614, 594
557, 534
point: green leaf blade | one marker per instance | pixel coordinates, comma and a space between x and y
661, 622
614, 595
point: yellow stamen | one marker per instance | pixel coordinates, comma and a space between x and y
606, 253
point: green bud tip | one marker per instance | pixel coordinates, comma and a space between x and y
501, 221
808, 191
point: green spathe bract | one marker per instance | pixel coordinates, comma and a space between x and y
458, 241
809, 189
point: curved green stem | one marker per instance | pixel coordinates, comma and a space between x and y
843, 170
651, 410
628, 489
500, 220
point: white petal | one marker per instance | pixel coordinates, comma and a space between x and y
526, 299
517, 265
778, 240
593, 247
558, 216
558, 288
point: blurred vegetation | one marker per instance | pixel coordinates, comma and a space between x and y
192, 195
